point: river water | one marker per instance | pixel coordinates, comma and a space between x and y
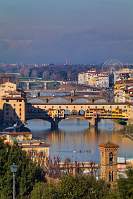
76, 141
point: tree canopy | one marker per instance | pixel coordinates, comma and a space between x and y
78, 187
27, 173
31, 183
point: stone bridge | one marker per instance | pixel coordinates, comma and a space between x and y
54, 113
28, 81
91, 98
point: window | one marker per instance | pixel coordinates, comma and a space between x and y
110, 176
20, 100
110, 158
7, 100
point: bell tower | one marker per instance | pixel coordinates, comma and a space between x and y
108, 162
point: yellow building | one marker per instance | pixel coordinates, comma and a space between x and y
13, 109
11, 137
56, 113
6, 88
123, 91
37, 150
12, 104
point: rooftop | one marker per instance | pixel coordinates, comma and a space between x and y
109, 145
41, 145
33, 144
15, 133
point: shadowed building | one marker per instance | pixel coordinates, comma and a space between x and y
12, 104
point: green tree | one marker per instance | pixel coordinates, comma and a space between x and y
82, 187
45, 191
78, 187
27, 174
125, 186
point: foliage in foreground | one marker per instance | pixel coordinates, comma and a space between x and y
125, 186
79, 187
84, 187
27, 174
30, 181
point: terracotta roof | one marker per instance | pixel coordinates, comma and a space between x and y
19, 133
109, 145
15, 133
12, 98
42, 145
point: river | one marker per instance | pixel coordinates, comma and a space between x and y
76, 141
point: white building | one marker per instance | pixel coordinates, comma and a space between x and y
82, 78
124, 73
94, 79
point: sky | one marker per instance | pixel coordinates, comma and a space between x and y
53, 31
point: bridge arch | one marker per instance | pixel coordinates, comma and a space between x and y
36, 100
38, 125
81, 100
58, 100
100, 101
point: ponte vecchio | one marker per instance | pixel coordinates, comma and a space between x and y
93, 112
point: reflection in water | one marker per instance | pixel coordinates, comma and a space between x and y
75, 140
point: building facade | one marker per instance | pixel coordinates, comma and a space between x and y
123, 91
12, 137
37, 151
12, 104
94, 79
108, 162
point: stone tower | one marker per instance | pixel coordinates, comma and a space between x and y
108, 162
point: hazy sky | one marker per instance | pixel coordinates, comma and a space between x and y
84, 31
